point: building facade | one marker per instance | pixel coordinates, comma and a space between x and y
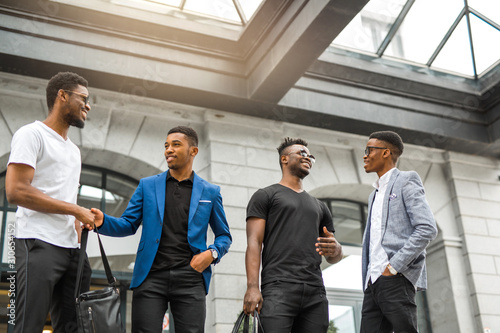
243, 93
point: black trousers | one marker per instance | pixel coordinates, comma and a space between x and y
294, 307
183, 288
389, 306
46, 276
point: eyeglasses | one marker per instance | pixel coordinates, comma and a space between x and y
303, 153
86, 98
367, 149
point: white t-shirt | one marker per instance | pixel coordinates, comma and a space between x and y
57, 164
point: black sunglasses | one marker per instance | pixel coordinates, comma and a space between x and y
367, 149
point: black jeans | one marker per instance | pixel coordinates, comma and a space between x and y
294, 307
185, 290
46, 276
389, 305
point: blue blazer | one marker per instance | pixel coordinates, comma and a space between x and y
147, 206
408, 226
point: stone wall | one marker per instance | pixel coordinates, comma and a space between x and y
126, 134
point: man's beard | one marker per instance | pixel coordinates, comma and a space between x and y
72, 120
299, 172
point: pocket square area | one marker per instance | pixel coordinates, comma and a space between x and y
205, 201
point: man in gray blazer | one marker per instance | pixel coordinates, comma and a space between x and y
400, 225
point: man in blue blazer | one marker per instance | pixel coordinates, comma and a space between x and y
173, 259
400, 225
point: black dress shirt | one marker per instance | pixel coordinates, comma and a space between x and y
174, 250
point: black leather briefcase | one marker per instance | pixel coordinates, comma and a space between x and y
97, 310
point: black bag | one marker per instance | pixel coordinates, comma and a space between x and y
97, 310
245, 319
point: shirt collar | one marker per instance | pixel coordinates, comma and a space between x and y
190, 179
382, 181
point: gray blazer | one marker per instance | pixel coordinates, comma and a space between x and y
408, 226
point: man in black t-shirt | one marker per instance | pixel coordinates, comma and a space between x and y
291, 230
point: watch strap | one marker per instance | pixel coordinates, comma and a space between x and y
215, 255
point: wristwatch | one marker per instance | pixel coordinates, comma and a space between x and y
392, 270
215, 255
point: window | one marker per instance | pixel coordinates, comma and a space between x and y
349, 219
452, 36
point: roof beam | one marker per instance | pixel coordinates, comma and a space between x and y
310, 32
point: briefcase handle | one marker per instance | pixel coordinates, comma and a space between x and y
81, 260
244, 318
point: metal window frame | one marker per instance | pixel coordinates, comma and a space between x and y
361, 207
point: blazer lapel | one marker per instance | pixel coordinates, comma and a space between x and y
161, 186
195, 196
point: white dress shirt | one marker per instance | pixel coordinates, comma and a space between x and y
378, 256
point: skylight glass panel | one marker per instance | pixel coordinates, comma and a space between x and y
146, 5
369, 28
427, 27
489, 8
486, 50
223, 9
175, 3
456, 54
249, 7
423, 29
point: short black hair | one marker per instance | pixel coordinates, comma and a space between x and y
393, 139
287, 142
65, 81
190, 133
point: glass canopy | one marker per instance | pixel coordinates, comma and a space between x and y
235, 11
455, 36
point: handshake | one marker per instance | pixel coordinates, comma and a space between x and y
89, 218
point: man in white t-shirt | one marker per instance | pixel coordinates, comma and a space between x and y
42, 179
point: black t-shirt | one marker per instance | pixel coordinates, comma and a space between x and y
294, 221
174, 250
